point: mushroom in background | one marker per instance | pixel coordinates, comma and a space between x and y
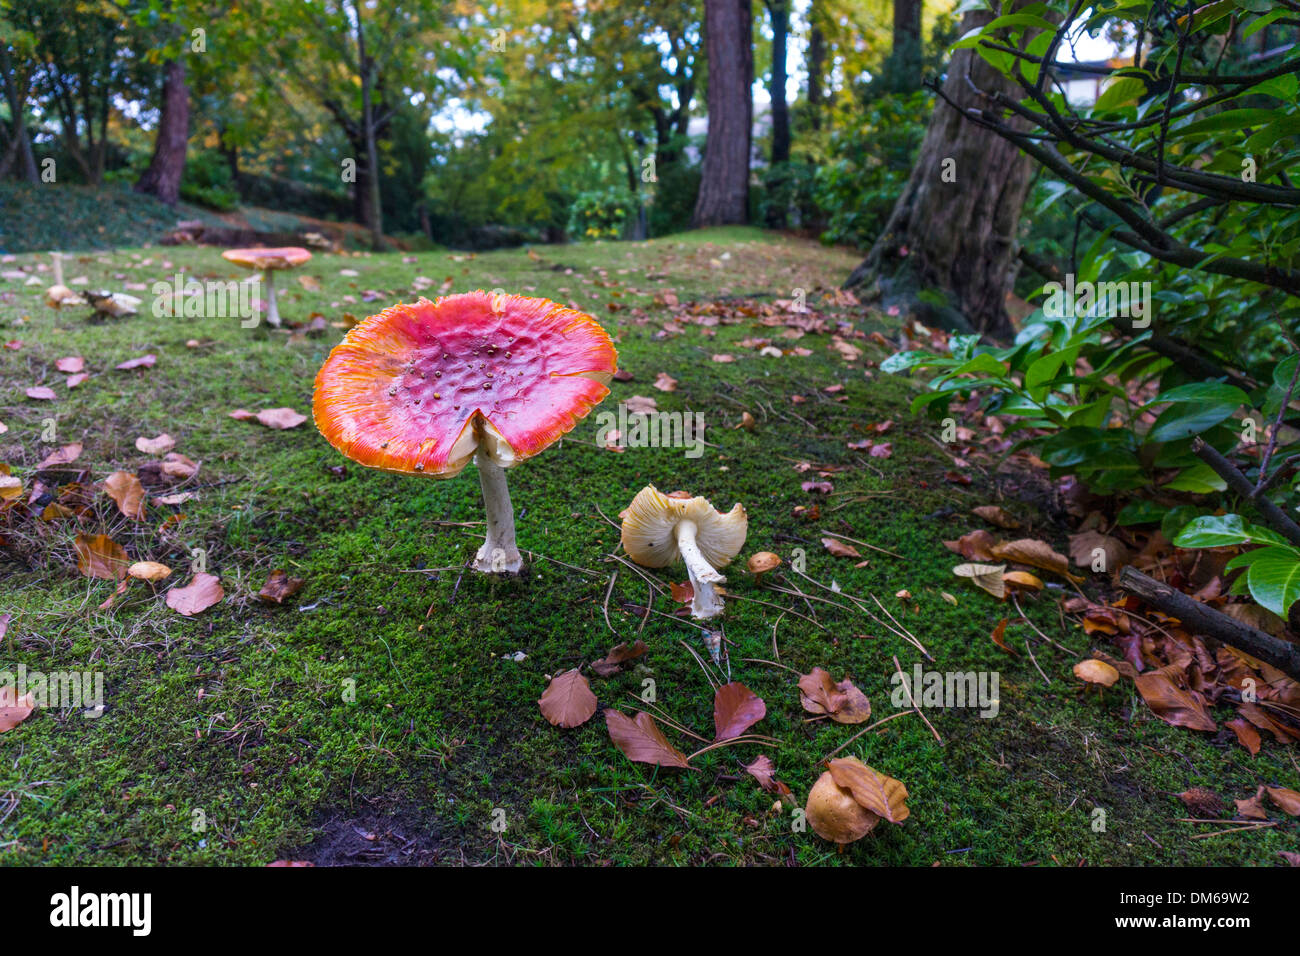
59, 295
269, 261
658, 529
423, 388
1096, 672
762, 562
113, 304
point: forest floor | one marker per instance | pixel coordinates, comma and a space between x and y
383, 713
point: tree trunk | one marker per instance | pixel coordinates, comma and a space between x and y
724, 186
163, 177
954, 227
906, 55
375, 204
18, 111
816, 66
780, 14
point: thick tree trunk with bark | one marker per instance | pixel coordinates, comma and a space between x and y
724, 186
163, 177
954, 227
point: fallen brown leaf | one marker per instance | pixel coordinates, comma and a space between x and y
14, 709
1171, 703
203, 591
641, 740
736, 708
125, 489
881, 794
155, 446
764, 772
61, 456
1287, 800
842, 702
618, 655
279, 587
99, 556
839, 548
997, 516
1036, 554
567, 700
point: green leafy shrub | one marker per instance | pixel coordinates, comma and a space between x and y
601, 214
869, 165
207, 182
1272, 565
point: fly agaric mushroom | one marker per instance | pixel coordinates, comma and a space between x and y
423, 388
59, 295
659, 528
269, 261
762, 562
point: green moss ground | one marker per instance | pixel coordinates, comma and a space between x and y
240, 712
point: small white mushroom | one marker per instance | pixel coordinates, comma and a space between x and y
59, 295
658, 529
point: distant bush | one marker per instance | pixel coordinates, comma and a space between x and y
37, 218
673, 202
207, 182
601, 214
788, 198
869, 165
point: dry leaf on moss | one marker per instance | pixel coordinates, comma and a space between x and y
1036, 554
840, 549
842, 702
203, 591
125, 489
1171, 703
641, 740
14, 709
987, 576
764, 772
618, 655
881, 794
736, 708
99, 556
567, 700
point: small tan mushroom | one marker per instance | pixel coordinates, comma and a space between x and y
762, 562
1093, 671
835, 815
59, 295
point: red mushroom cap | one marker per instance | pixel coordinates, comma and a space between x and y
418, 388
285, 258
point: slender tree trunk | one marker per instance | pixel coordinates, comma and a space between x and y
368, 131
375, 203
816, 66
906, 54
163, 177
780, 14
724, 186
954, 227
18, 110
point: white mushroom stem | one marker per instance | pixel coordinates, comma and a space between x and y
58, 267
705, 601
272, 310
499, 552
